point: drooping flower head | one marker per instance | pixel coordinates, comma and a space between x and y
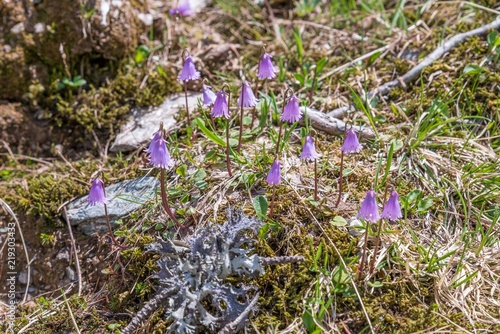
351, 143
392, 209
183, 9
266, 68
247, 96
309, 151
369, 209
158, 152
189, 71
274, 176
220, 106
208, 96
96, 194
291, 112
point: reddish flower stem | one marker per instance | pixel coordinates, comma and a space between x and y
377, 240
228, 162
241, 119
363, 256
341, 178
279, 140
315, 180
164, 200
187, 108
272, 202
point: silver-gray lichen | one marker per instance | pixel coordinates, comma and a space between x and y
194, 285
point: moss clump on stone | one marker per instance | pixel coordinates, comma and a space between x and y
102, 108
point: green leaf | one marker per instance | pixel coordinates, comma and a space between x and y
397, 144
141, 54
161, 71
300, 78
424, 204
373, 57
298, 42
308, 322
338, 221
260, 205
473, 69
376, 284
200, 174
413, 195
320, 65
182, 170
210, 135
493, 39
210, 154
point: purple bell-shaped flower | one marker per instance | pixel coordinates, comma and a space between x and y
392, 209
96, 194
183, 9
291, 112
189, 71
369, 209
351, 143
220, 106
274, 176
309, 151
247, 96
158, 152
266, 68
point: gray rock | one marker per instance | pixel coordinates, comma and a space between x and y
70, 273
63, 255
144, 122
123, 198
23, 276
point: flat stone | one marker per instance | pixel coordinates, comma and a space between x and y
71, 273
123, 198
143, 122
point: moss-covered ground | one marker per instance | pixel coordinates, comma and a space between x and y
437, 142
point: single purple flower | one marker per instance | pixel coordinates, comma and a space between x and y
266, 68
309, 151
183, 9
369, 210
208, 96
96, 194
158, 152
351, 143
249, 99
188, 72
291, 112
274, 176
220, 106
392, 209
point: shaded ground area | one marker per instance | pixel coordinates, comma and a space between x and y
71, 73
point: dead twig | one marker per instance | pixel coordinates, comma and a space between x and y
10, 212
414, 73
271, 261
332, 125
77, 261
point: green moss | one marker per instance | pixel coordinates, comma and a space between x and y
102, 108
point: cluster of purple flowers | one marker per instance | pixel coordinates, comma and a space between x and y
369, 208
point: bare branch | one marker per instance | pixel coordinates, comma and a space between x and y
332, 125
271, 261
231, 327
148, 309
